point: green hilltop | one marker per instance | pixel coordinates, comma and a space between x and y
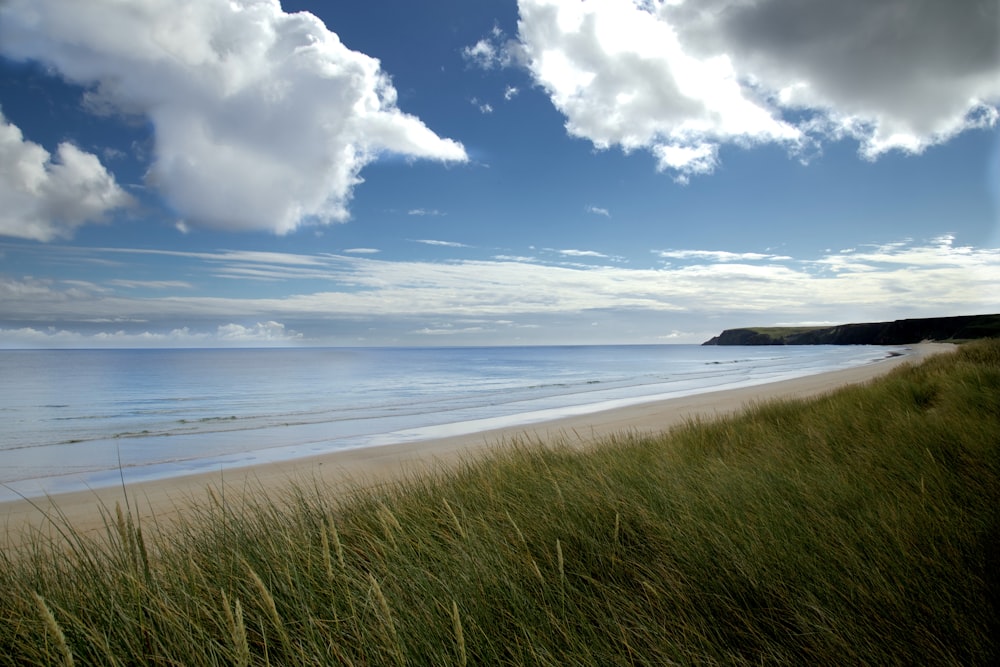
897, 332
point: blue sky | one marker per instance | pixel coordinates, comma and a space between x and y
388, 172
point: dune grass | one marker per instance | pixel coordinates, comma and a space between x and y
862, 527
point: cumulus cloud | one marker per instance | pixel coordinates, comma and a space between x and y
895, 74
262, 120
681, 79
621, 76
47, 197
261, 332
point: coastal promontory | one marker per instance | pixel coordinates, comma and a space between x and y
896, 332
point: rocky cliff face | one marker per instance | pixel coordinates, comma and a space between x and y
898, 332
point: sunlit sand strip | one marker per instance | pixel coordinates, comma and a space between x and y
342, 471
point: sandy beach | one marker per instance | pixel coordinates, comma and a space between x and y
342, 471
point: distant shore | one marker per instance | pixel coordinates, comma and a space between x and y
343, 471
896, 332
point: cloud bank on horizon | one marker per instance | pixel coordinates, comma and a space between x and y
262, 120
499, 295
680, 79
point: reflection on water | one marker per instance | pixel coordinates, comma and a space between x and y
74, 418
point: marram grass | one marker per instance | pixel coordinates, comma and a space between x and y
859, 528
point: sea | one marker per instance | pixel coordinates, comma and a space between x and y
79, 419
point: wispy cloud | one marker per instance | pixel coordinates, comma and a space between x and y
444, 244
571, 252
941, 253
447, 331
424, 211
362, 251
484, 107
483, 53
151, 284
493, 51
597, 210
85, 286
227, 335
910, 279
718, 255
514, 258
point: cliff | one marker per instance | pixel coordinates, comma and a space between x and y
898, 332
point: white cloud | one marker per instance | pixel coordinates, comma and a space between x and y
113, 153
447, 331
681, 79
717, 255
424, 211
514, 258
362, 251
597, 210
895, 74
262, 120
443, 244
45, 198
483, 53
261, 332
152, 284
494, 50
228, 335
572, 252
942, 253
621, 76
484, 107
510, 92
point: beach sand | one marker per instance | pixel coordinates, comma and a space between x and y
343, 471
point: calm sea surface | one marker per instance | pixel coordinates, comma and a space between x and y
74, 419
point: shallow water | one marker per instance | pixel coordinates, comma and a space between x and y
74, 419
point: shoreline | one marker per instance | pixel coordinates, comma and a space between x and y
352, 469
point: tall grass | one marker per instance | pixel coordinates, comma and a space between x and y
858, 528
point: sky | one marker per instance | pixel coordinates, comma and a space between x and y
208, 173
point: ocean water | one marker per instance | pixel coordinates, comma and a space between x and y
75, 419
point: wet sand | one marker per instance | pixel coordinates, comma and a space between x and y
343, 471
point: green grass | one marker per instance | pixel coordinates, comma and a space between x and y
782, 332
859, 528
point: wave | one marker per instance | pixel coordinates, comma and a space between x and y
151, 411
